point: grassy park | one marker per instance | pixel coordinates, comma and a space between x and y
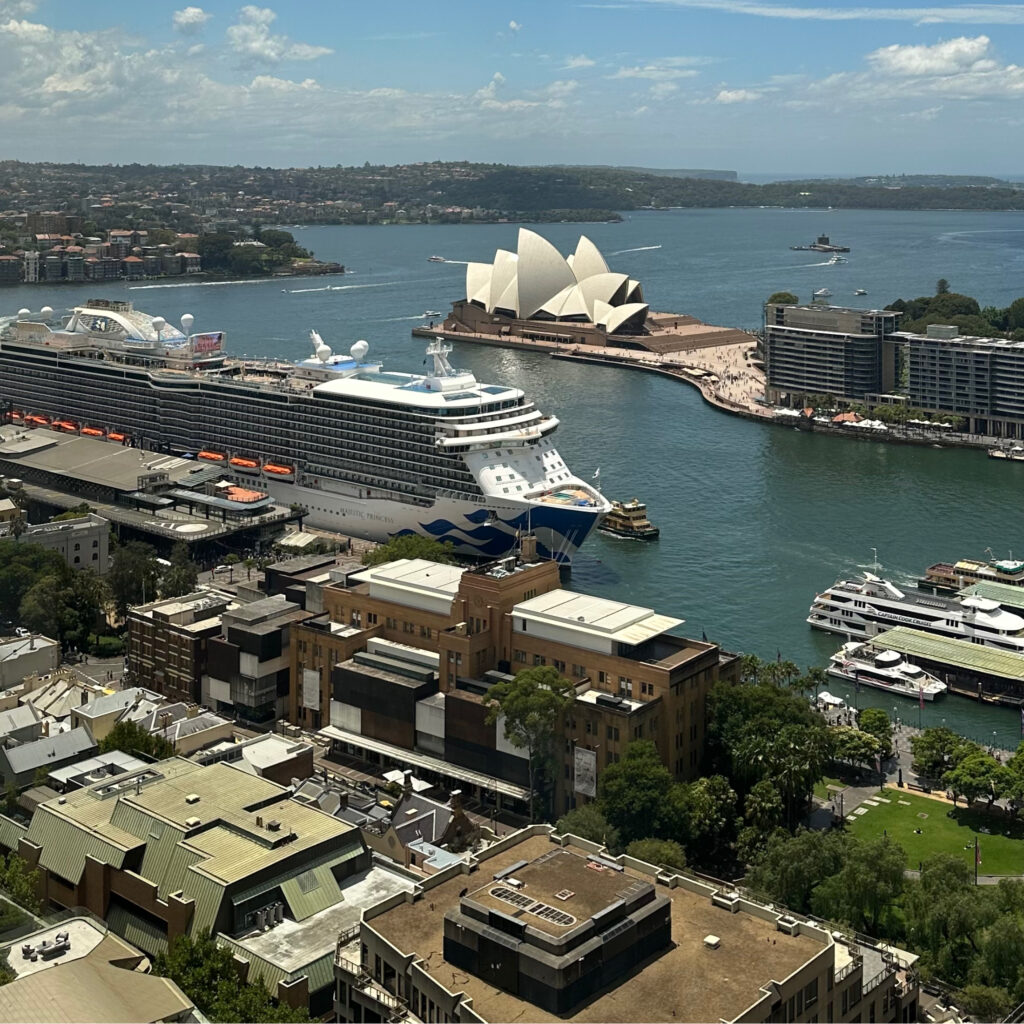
942, 832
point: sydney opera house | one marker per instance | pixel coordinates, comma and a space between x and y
536, 292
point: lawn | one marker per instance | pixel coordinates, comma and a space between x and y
821, 788
942, 833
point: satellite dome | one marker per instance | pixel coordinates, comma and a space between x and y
187, 319
159, 323
47, 311
323, 352
24, 311
359, 349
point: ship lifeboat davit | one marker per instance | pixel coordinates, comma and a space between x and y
17, 415
244, 465
211, 456
68, 426
279, 470
116, 435
37, 421
93, 432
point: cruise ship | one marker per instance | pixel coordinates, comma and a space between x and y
370, 453
868, 606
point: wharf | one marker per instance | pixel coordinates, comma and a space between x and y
984, 674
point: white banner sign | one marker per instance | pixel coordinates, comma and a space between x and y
585, 771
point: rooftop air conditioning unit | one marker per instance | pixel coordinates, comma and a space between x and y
515, 883
274, 826
192, 798
788, 924
192, 823
712, 941
727, 901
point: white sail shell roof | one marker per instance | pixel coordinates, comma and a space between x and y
536, 279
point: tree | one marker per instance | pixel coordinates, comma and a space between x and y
986, 1002
182, 576
20, 883
936, 749
783, 298
209, 975
587, 822
133, 739
662, 852
17, 525
78, 512
410, 545
21, 565
250, 564
636, 794
133, 576
711, 823
977, 775
763, 807
869, 882
789, 868
855, 747
876, 722
533, 706
942, 286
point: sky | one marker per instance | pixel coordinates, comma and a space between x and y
755, 86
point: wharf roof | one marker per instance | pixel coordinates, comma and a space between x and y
1007, 595
962, 654
687, 982
595, 616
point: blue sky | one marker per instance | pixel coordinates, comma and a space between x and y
756, 86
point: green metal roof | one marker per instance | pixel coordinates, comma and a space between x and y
208, 894
65, 845
311, 892
957, 653
10, 832
1006, 595
320, 972
136, 929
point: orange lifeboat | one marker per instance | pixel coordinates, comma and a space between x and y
17, 414
93, 432
42, 421
68, 425
278, 470
245, 465
211, 456
116, 436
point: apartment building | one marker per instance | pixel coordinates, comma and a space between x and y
543, 927
827, 350
167, 642
83, 543
979, 379
398, 667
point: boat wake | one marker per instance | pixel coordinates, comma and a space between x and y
639, 248
195, 284
340, 288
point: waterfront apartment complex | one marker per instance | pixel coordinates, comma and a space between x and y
826, 350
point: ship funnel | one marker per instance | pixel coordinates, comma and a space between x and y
359, 349
187, 320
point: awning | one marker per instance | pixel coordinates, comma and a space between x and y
434, 764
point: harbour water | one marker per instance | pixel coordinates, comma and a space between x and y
754, 519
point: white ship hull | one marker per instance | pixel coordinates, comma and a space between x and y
903, 689
488, 529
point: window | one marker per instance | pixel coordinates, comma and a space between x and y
371, 618
602, 677
519, 656
811, 993
78, 547
539, 659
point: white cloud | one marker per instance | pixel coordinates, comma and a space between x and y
663, 69
581, 60
16, 8
490, 90
640, 111
962, 14
514, 26
947, 58
561, 88
662, 90
737, 96
27, 31
190, 20
251, 38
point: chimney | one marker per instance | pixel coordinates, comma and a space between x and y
46, 727
455, 800
407, 782
528, 548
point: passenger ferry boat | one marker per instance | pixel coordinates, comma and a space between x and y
955, 576
861, 665
629, 519
869, 606
370, 453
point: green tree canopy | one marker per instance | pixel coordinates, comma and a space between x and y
21, 566
636, 794
711, 822
133, 739
784, 298
663, 852
854, 746
410, 545
133, 576
73, 513
978, 776
19, 882
866, 887
790, 868
876, 722
587, 822
937, 749
533, 707
182, 576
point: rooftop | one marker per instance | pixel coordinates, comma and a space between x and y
719, 983
41, 752
595, 616
915, 643
119, 701
16, 648
1006, 594
414, 574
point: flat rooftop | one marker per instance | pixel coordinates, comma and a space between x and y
688, 982
595, 616
415, 574
84, 937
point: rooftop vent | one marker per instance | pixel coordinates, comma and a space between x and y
192, 823
727, 901
192, 798
787, 924
712, 941
274, 826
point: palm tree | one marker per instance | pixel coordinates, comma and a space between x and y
18, 525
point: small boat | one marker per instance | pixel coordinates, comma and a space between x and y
836, 258
245, 465
93, 432
436, 259
629, 519
822, 293
954, 576
1014, 454
862, 665
860, 291
211, 456
433, 312
275, 468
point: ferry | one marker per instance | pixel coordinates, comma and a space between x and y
436, 259
1012, 454
369, 452
870, 605
861, 665
629, 519
957, 575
